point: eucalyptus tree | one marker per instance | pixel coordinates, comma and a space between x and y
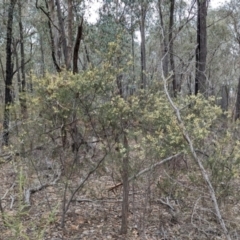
234, 23
221, 60
22, 79
141, 11
142, 21
48, 11
65, 34
177, 30
201, 50
167, 28
9, 72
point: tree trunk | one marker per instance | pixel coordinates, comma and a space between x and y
70, 32
125, 165
201, 51
125, 176
9, 74
22, 96
18, 72
42, 55
63, 35
172, 64
143, 45
133, 46
237, 111
165, 41
51, 39
76, 48
225, 97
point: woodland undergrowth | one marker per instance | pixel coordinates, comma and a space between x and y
81, 127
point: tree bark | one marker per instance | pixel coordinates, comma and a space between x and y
225, 97
76, 48
201, 51
42, 55
9, 73
22, 98
171, 39
125, 176
50, 35
63, 35
143, 45
70, 32
237, 110
165, 41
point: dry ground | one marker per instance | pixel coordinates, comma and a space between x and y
164, 204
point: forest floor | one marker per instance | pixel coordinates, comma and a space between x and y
95, 212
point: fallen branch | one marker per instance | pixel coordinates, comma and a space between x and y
153, 166
145, 171
30, 191
13, 185
113, 188
166, 203
97, 200
12, 201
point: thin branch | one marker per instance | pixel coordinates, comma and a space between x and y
47, 14
219, 20
166, 203
83, 181
146, 170
21, 66
153, 166
196, 158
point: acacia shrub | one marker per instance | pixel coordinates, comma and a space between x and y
90, 101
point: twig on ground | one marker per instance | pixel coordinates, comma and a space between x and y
12, 202
7, 191
30, 191
98, 200
166, 203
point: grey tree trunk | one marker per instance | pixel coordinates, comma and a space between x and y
23, 77
165, 41
49, 22
125, 176
9, 73
237, 108
76, 47
201, 51
225, 97
171, 39
70, 32
42, 55
143, 45
63, 35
